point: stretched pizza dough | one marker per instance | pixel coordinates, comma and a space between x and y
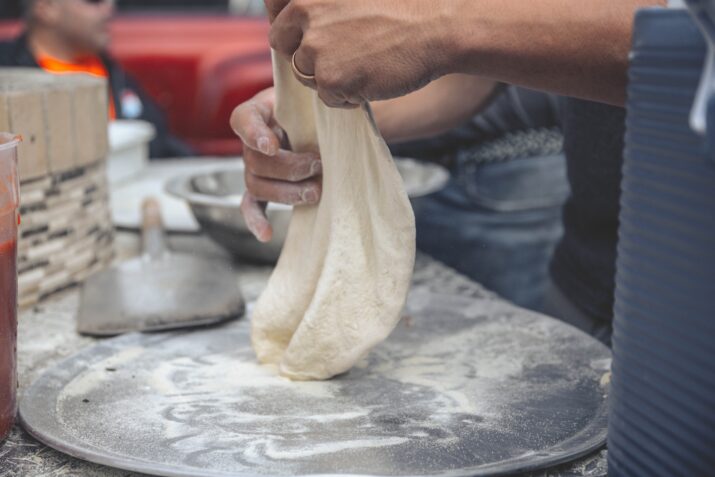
345, 269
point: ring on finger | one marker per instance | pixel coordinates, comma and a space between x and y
302, 76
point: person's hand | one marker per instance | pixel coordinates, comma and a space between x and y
272, 174
364, 50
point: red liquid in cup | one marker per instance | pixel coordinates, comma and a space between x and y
8, 336
9, 220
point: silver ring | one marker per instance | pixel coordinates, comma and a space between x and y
299, 73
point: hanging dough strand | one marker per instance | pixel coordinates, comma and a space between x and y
344, 273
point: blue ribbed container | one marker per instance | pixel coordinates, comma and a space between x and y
662, 420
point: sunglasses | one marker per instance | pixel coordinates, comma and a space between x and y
98, 2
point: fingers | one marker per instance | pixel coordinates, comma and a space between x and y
274, 7
328, 91
292, 193
288, 39
254, 214
253, 122
302, 73
335, 100
287, 31
286, 178
285, 165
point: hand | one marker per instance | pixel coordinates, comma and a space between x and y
272, 174
364, 50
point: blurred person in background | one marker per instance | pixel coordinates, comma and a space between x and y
72, 36
9, 9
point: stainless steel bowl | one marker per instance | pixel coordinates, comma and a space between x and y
215, 196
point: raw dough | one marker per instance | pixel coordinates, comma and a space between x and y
343, 276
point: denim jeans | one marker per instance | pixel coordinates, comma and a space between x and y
498, 223
559, 306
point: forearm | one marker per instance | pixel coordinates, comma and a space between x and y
569, 47
438, 107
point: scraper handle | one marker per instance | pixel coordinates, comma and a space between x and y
153, 242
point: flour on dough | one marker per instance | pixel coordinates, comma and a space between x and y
343, 276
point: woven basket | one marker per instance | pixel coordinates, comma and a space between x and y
66, 231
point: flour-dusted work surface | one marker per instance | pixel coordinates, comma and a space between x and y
462, 387
47, 336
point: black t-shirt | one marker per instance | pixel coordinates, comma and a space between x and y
511, 109
584, 263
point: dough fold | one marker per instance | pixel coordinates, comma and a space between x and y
343, 275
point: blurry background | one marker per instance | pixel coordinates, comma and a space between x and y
197, 58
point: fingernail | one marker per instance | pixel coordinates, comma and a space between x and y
264, 235
264, 145
316, 168
310, 196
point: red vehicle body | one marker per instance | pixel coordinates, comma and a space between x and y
197, 68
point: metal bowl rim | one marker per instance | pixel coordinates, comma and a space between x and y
179, 186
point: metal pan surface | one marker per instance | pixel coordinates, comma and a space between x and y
463, 387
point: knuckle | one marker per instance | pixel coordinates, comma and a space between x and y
288, 196
294, 175
330, 80
273, 40
250, 180
329, 98
260, 107
274, 6
301, 7
237, 116
309, 46
297, 171
249, 161
291, 173
336, 86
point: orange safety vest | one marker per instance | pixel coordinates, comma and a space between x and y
91, 65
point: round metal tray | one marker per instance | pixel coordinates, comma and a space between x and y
463, 387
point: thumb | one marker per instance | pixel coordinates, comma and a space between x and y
250, 121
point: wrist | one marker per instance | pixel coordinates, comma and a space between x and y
437, 39
449, 36
464, 33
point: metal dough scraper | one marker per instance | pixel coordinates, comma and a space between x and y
159, 290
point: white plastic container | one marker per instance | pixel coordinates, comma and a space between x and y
129, 149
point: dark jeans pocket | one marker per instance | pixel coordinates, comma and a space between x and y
517, 184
